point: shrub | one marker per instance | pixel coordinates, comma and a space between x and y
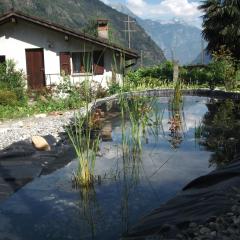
12, 79
224, 68
196, 75
151, 76
7, 98
114, 88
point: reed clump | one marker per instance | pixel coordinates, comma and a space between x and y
86, 148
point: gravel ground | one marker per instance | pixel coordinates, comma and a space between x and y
41, 125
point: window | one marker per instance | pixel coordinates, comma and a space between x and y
98, 62
65, 65
82, 62
2, 59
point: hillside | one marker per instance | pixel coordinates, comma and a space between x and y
176, 38
206, 59
76, 14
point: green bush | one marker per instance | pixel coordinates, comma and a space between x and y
195, 75
151, 76
114, 88
224, 68
12, 79
8, 98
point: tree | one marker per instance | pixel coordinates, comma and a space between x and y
221, 25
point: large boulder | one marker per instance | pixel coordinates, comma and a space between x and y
40, 143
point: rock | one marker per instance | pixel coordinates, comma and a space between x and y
192, 225
55, 114
40, 143
4, 130
234, 208
236, 220
213, 225
106, 132
42, 115
99, 154
213, 233
100, 113
20, 124
204, 230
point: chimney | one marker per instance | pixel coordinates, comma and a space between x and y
103, 28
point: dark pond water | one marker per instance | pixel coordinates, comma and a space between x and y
49, 207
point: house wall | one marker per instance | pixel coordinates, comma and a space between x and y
15, 38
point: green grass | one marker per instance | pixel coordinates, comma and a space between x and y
25, 110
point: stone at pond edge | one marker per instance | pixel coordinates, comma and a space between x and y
106, 132
42, 115
55, 113
40, 143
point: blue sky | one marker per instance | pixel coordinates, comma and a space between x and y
164, 9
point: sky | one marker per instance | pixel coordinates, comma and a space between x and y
186, 10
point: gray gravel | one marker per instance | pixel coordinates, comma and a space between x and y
41, 125
224, 227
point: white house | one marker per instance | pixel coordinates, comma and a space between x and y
44, 50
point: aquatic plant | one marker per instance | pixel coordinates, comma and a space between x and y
135, 109
80, 135
86, 149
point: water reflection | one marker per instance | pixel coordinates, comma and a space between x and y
221, 129
137, 175
91, 210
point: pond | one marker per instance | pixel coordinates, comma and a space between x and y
199, 138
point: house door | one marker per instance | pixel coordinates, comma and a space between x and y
35, 68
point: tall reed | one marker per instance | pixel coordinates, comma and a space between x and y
86, 149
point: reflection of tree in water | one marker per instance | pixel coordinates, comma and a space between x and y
175, 128
221, 130
176, 119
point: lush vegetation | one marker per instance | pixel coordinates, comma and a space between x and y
223, 72
16, 101
221, 22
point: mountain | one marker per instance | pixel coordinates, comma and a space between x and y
206, 59
77, 14
178, 39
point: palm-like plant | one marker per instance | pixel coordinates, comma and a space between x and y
221, 25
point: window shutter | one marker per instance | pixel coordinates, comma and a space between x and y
65, 63
98, 62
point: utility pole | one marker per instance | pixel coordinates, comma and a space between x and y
141, 58
202, 52
172, 55
129, 30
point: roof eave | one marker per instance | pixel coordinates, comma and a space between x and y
130, 54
